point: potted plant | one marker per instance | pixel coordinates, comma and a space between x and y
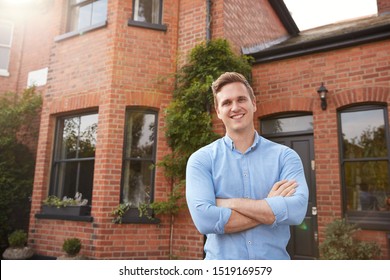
76, 206
17, 249
71, 247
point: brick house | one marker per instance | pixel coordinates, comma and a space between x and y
105, 71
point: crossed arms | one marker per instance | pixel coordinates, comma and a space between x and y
248, 213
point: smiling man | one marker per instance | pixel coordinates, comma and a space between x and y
244, 191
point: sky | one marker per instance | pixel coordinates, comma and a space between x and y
312, 13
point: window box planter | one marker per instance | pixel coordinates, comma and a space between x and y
132, 216
71, 210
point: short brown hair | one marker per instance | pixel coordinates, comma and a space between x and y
228, 78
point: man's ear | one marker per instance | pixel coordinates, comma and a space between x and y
217, 111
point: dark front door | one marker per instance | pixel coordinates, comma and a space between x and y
303, 244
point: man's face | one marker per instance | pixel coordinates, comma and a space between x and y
235, 108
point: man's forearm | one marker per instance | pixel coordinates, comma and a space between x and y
256, 210
238, 222
259, 210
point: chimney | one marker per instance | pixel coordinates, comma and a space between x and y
383, 6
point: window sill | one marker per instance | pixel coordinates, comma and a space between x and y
63, 217
4, 73
79, 32
159, 27
370, 220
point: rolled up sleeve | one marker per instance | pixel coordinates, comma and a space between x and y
200, 196
291, 210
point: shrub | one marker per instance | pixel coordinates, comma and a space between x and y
340, 243
16, 160
72, 246
17, 238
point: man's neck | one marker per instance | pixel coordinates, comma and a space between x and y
242, 141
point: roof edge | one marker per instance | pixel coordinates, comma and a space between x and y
368, 35
285, 17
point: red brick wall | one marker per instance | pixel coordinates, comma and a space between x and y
119, 66
107, 69
248, 23
233, 21
191, 26
30, 48
383, 6
352, 75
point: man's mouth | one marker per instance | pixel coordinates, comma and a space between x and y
237, 116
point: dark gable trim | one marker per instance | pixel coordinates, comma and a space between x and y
285, 17
354, 38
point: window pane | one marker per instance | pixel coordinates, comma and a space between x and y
99, 11
70, 138
88, 134
367, 185
4, 57
75, 177
5, 33
147, 11
280, 125
363, 134
85, 15
85, 179
140, 135
79, 137
67, 179
137, 182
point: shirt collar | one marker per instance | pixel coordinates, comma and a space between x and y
229, 142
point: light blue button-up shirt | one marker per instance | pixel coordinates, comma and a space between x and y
218, 170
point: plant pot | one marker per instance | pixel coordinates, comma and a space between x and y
133, 216
72, 210
16, 253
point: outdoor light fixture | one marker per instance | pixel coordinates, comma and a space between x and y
322, 91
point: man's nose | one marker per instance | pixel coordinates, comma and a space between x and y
235, 106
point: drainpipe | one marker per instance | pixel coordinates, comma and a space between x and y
208, 20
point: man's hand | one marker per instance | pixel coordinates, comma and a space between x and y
283, 188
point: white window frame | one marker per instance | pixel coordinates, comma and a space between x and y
4, 71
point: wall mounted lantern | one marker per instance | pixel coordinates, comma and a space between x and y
322, 91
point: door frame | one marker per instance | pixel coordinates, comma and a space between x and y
309, 166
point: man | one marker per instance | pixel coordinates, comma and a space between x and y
244, 191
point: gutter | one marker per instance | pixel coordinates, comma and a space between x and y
208, 20
359, 37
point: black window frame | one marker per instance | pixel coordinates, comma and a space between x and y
155, 26
285, 116
133, 215
369, 220
57, 159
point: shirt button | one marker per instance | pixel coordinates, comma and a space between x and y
249, 242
